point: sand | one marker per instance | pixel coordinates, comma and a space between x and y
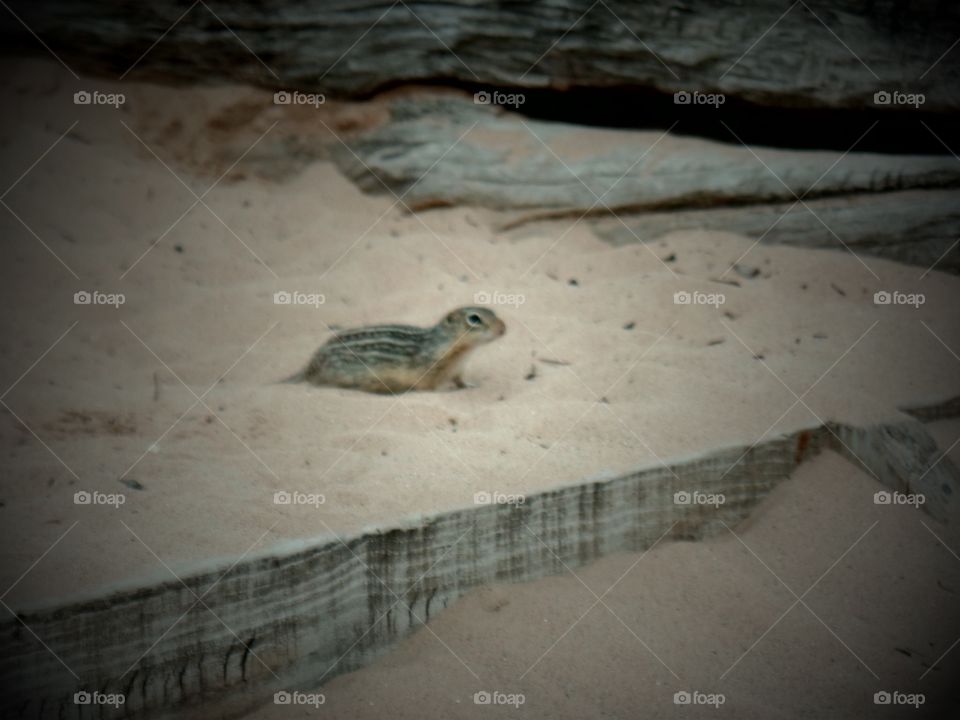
105, 399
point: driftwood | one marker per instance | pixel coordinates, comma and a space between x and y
828, 55
450, 151
297, 616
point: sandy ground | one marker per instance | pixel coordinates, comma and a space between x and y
100, 398
879, 589
105, 399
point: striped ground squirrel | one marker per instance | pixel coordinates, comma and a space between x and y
398, 358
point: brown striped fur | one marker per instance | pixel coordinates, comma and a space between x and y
398, 358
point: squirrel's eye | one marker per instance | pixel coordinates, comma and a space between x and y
474, 319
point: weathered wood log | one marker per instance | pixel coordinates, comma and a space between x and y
447, 151
301, 614
834, 55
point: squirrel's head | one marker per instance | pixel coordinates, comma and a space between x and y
475, 324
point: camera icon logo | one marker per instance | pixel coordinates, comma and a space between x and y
82, 498
282, 497
281, 97
482, 498
882, 298
481, 98
882, 497
82, 297
881, 97
681, 98
481, 698
681, 498
282, 297
882, 698
681, 297
282, 698
482, 298
82, 97
681, 697
82, 698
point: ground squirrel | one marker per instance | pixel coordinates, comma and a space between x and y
398, 358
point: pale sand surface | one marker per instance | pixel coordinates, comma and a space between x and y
200, 304
880, 613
